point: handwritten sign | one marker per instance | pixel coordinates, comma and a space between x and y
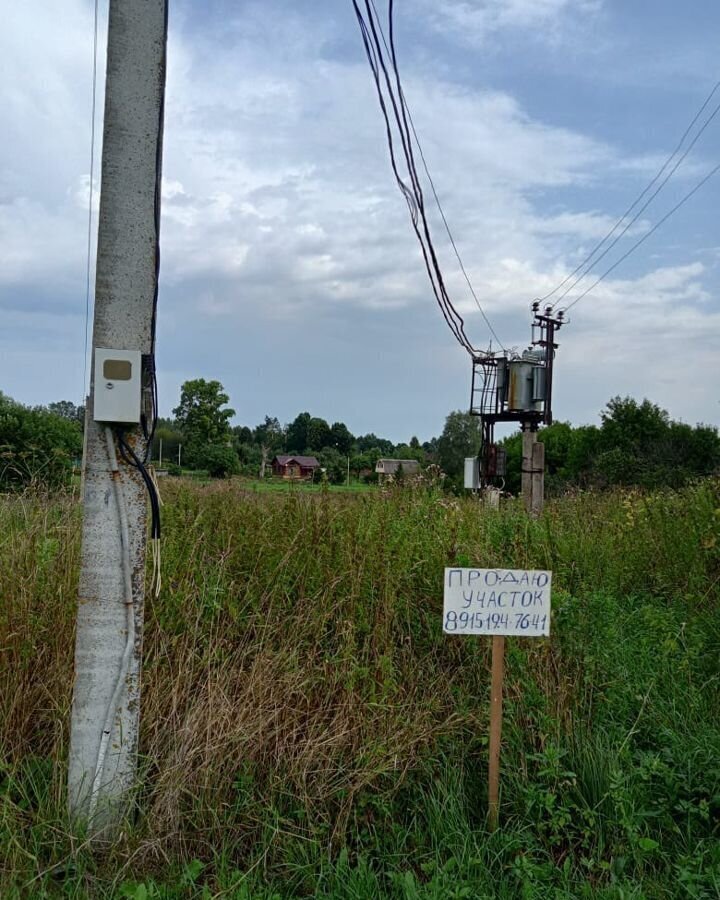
497, 602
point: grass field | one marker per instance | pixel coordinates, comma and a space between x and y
309, 732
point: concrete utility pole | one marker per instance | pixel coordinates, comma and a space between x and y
533, 473
106, 695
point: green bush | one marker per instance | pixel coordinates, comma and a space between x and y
220, 461
36, 446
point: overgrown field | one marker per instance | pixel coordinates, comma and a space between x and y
309, 732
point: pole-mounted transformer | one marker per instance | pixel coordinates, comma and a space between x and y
513, 388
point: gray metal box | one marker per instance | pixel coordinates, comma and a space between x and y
118, 385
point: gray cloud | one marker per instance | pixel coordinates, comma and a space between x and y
289, 269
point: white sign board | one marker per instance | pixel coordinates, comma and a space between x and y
497, 601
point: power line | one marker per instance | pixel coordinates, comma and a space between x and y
90, 201
409, 185
646, 236
391, 51
642, 209
637, 200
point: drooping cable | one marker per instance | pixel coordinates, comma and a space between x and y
401, 124
411, 188
409, 195
642, 240
88, 268
406, 111
589, 261
128, 600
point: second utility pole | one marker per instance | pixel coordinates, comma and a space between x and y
532, 472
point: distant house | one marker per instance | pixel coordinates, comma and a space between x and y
386, 467
295, 467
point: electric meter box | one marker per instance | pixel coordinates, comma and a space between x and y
118, 385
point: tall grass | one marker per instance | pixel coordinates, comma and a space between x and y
308, 731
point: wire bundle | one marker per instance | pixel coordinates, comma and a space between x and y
399, 122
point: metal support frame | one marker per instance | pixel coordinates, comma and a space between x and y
488, 395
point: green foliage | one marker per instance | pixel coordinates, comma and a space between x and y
36, 446
66, 409
219, 460
335, 465
297, 433
270, 434
460, 438
308, 731
341, 439
636, 445
201, 418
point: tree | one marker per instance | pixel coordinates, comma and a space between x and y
242, 434
460, 438
632, 426
297, 433
407, 451
341, 438
334, 464
318, 434
220, 461
201, 416
269, 437
370, 441
66, 409
36, 446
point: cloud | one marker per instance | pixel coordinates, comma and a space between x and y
475, 22
289, 268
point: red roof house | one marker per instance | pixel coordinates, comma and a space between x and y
295, 467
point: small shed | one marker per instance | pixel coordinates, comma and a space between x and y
295, 467
387, 467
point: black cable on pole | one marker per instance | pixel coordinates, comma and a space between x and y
132, 459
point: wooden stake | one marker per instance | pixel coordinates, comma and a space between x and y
496, 699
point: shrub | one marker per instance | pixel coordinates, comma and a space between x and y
220, 461
36, 446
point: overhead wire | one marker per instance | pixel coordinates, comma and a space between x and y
409, 185
406, 109
374, 54
642, 240
590, 256
90, 200
642, 209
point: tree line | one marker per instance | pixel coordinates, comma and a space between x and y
636, 444
200, 436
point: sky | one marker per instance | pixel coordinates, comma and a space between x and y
290, 271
